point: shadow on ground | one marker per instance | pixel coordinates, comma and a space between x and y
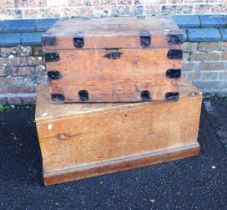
193, 183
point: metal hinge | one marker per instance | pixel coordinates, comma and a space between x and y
52, 57
56, 97
172, 96
54, 75
145, 95
49, 41
145, 38
83, 95
173, 73
113, 55
175, 39
175, 54
78, 40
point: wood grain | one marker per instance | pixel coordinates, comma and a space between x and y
113, 80
127, 163
80, 135
133, 64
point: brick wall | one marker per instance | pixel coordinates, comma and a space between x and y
12, 9
22, 66
205, 64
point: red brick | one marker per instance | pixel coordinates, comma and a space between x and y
193, 75
50, 12
7, 4
213, 56
222, 75
190, 46
187, 66
30, 3
224, 56
26, 70
198, 56
152, 9
30, 13
78, 2
28, 100
208, 75
104, 2
3, 100
91, 2
202, 8
176, 9
34, 61
209, 46
57, 3
124, 2
210, 66
22, 89
14, 100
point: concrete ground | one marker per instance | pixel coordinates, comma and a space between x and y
193, 183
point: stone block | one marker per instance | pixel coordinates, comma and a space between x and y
210, 75
224, 56
187, 21
204, 35
25, 70
224, 34
213, 21
31, 38
14, 100
210, 46
10, 40
190, 46
210, 66
222, 75
13, 26
45, 24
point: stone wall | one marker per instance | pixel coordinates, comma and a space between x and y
22, 69
17, 9
22, 65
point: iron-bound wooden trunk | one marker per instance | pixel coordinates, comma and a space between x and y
124, 59
84, 140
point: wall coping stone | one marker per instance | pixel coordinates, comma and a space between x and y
195, 28
213, 21
204, 34
31, 38
44, 24
224, 34
10, 39
12, 26
1, 26
187, 21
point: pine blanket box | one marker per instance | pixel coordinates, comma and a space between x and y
83, 140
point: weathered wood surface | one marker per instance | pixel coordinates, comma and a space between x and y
134, 64
84, 140
117, 32
113, 80
118, 91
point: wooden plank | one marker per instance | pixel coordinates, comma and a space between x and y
81, 136
113, 80
134, 64
121, 165
118, 91
117, 32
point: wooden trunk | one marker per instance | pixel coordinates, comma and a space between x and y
118, 59
84, 140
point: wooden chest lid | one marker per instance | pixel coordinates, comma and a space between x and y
116, 32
